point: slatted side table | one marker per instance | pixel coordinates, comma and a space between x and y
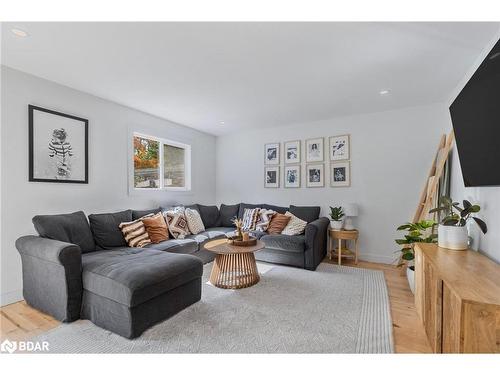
234, 266
343, 235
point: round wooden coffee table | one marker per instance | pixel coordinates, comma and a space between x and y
234, 266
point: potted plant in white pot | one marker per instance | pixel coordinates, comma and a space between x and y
417, 232
452, 230
337, 218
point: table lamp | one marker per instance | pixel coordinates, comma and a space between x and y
350, 210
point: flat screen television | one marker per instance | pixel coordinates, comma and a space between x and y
475, 115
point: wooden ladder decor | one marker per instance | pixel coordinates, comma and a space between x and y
429, 192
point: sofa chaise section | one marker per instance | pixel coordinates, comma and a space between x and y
128, 290
125, 290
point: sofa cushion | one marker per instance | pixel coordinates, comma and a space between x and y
137, 214
307, 213
106, 231
72, 228
217, 232
227, 214
181, 246
209, 215
283, 242
199, 238
133, 276
278, 209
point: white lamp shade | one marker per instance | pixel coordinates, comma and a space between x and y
351, 209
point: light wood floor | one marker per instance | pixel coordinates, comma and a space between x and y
19, 321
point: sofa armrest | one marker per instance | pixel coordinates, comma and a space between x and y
316, 233
54, 251
52, 276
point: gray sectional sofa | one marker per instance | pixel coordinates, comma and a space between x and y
83, 269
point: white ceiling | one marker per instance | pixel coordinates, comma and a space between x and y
251, 74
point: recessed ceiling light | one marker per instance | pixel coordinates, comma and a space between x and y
19, 33
222, 122
384, 92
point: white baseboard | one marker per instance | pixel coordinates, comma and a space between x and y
11, 297
376, 258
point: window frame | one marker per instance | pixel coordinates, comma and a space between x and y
169, 142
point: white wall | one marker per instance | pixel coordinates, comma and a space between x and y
391, 153
110, 126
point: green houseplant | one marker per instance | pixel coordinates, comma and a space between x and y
416, 232
452, 230
337, 217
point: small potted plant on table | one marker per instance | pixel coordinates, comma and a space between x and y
337, 217
417, 232
452, 230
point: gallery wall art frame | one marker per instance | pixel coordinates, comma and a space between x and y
292, 171
340, 147
56, 142
315, 175
292, 152
340, 174
272, 153
272, 177
315, 150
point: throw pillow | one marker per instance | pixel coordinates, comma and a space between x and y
135, 233
177, 223
295, 225
250, 216
194, 222
264, 219
278, 223
156, 228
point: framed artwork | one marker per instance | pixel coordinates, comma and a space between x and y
292, 152
340, 147
272, 154
340, 174
314, 150
58, 146
315, 175
272, 177
292, 176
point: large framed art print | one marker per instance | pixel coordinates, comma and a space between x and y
58, 146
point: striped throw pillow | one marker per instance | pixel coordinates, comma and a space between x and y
250, 216
135, 233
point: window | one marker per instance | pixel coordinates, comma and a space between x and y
155, 157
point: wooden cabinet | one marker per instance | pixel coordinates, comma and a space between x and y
457, 295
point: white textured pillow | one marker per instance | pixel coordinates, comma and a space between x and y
193, 218
264, 219
295, 225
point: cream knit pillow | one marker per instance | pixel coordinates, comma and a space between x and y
193, 218
295, 225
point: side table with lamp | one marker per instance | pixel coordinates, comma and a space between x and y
348, 233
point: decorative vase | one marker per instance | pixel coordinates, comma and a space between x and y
452, 237
410, 274
336, 224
